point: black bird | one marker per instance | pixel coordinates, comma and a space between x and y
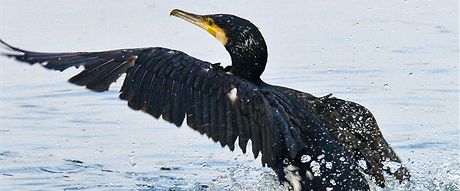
313, 143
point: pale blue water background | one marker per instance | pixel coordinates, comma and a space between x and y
57, 136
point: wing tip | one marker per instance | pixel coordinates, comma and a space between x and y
11, 48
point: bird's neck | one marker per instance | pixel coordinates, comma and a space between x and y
249, 61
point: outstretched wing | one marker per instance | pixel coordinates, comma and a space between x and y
173, 85
355, 129
360, 134
101, 68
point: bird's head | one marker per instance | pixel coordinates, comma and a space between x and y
241, 38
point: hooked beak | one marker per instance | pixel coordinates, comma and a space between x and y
203, 21
190, 17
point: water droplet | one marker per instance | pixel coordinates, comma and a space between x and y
332, 182
305, 158
131, 159
411, 74
377, 48
372, 83
117, 123
315, 167
362, 164
321, 156
386, 86
404, 107
348, 89
329, 165
329, 71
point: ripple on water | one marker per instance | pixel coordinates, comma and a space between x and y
8, 154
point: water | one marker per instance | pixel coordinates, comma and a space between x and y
398, 58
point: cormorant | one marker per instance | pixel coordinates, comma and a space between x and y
313, 143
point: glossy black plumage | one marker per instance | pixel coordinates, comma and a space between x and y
229, 104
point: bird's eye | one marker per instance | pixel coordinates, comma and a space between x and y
210, 21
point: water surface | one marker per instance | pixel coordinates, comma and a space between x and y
398, 58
